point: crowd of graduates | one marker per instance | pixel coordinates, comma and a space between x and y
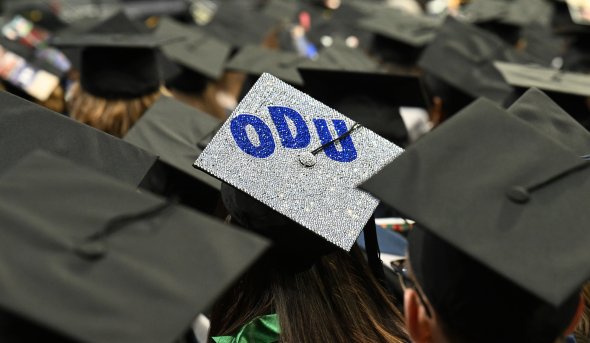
302, 171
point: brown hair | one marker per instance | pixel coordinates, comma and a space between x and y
113, 116
336, 300
582, 332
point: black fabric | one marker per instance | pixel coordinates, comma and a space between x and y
173, 131
255, 61
143, 283
188, 81
118, 58
490, 185
569, 90
476, 304
462, 56
115, 73
538, 110
297, 246
369, 98
196, 51
239, 23
25, 127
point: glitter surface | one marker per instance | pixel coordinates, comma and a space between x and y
262, 158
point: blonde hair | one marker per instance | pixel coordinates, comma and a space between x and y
113, 116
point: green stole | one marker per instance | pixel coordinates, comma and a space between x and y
264, 329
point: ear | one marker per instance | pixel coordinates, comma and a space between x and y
418, 323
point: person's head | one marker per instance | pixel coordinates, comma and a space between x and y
320, 293
456, 299
113, 116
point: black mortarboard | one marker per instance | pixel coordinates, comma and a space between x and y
371, 99
239, 23
340, 22
339, 56
198, 51
498, 190
538, 110
118, 59
400, 37
569, 90
177, 133
26, 127
505, 18
542, 44
280, 9
255, 60
94, 260
461, 60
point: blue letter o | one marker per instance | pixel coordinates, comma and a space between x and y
238, 129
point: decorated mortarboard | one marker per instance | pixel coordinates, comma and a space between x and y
197, 51
538, 110
570, 90
177, 133
369, 98
399, 36
300, 158
462, 56
255, 61
25, 127
494, 194
109, 264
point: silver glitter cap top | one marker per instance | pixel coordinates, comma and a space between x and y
276, 147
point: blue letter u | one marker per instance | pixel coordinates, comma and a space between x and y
348, 152
238, 130
279, 116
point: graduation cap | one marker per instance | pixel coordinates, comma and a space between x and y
109, 264
542, 44
278, 146
505, 18
339, 56
371, 99
255, 60
459, 65
538, 110
502, 218
177, 133
569, 90
239, 23
118, 58
339, 22
26, 127
280, 9
198, 51
400, 37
